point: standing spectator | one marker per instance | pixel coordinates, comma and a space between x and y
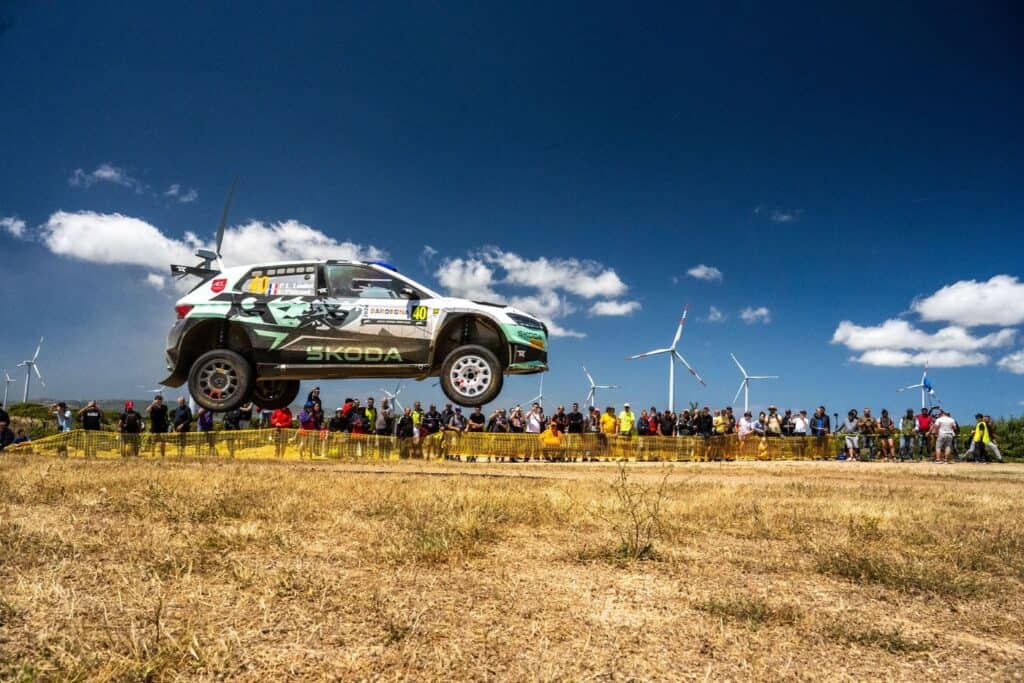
924, 432
159, 422
432, 425
458, 422
476, 420
535, 420
609, 423
245, 416
593, 420
992, 437
820, 423
446, 414
667, 424
945, 428
643, 424
370, 412
404, 431
337, 423
65, 418
204, 425
233, 423
498, 423
684, 425
867, 427
517, 421
908, 428
575, 420
314, 398
281, 422
265, 415
773, 427
6, 435
745, 425
758, 428
799, 424
704, 424
182, 424
886, 428
131, 426
979, 440
561, 419
851, 428
308, 427
787, 423
627, 422
385, 425
92, 421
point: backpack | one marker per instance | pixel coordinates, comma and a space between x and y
132, 422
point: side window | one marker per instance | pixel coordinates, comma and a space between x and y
281, 281
359, 282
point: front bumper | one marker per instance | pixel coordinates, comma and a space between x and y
526, 360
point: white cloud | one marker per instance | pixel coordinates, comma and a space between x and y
708, 273
105, 173
186, 197
756, 315
997, 301
614, 308
469, 278
899, 334
117, 239
1014, 363
715, 315
587, 279
427, 256
155, 281
895, 358
14, 225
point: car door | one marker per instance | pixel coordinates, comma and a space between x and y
276, 302
382, 320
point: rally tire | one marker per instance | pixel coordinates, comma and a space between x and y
272, 394
221, 380
471, 376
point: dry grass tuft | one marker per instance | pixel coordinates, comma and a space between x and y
150, 570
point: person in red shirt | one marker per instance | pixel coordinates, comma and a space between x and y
281, 421
924, 426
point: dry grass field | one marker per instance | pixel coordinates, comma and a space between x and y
268, 571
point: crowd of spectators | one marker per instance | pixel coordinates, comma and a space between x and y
927, 435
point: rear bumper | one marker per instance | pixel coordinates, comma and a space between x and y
177, 375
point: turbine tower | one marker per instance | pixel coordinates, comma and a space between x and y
8, 381
539, 398
30, 367
393, 397
592, 394
745, 384
927, 390
673, 356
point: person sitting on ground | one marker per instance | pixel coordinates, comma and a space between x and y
20, 437
551, 437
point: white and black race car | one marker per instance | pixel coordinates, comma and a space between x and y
253, 332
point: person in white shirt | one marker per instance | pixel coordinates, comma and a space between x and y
946, 428
535, 420
745, 425
800, 424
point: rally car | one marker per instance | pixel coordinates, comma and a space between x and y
252, 333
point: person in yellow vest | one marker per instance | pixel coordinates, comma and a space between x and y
718, 424
627, 422
980, 440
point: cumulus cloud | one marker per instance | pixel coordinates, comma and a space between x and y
895, 358
116, 239
14, 226
760, 314
1014, 363
105, 173
487, 274
707, 273
184, 196
614, 308
899, 334
155, 281
997, 301
427, 256
715, 315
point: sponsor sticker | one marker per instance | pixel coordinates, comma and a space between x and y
218, 285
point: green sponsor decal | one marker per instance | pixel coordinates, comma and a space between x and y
352, 354
277, 337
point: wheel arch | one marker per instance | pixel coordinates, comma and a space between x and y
468, 328
210, 334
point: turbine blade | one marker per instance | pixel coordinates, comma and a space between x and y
590, 394
738, 392
763, 377
224, 216
587, 373
655, 352
742, 369
36, 355
38, 374
692, 371
679, 330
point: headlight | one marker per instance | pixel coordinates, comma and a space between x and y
526, 321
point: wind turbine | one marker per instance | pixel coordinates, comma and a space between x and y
673, 355
592, 394
393, 397
745, 384
30, 366
7, 385
927, 390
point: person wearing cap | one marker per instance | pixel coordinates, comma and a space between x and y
130, 425
457, 423
980, 440
627, 421
746, 425
851, 428
773, 426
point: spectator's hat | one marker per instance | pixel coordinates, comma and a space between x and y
309, 404
625, 405
128, 405
978, 416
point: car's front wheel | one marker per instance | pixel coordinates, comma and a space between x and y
471, 376
220, 380
272, 394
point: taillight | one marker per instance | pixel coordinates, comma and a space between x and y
182, 311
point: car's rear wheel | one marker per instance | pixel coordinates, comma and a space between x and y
471, 376
275, 393
220, 380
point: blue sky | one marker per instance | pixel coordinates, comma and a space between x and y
833, 165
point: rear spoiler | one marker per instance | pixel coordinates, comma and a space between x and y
198, 271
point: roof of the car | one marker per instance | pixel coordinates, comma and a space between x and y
307, 262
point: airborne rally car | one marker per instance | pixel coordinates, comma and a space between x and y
253, 332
